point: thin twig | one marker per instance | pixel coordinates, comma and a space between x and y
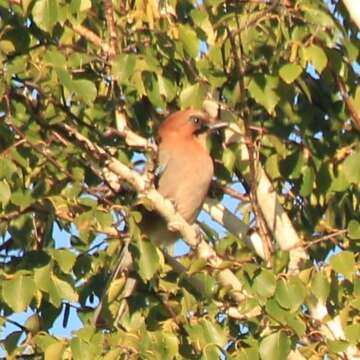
230, 191
92, 37
326, 237
264, 232
109, 14
353, 112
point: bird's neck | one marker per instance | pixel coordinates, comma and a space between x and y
202, 140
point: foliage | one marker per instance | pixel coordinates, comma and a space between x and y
286, 71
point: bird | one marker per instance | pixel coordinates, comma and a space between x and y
184, 172
185, 169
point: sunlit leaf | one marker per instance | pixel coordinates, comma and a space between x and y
45, 14
147, 259
5, 192
275, 346
320, 286
189, 40
263, 89
344, 263
290, 72
265, 283
354, 229
18, 292
316, 56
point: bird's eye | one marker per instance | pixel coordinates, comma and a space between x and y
195, 120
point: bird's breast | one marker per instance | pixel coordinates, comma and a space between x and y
186, 179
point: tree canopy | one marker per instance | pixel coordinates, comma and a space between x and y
84, 86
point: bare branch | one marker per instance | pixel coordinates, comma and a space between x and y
109, 14
234, 225
325, 237
350, 107
92, 37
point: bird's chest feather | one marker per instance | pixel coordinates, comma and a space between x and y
185, 178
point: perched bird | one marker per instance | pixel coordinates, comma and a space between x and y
185, 169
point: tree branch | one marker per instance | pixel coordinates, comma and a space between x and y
165, 208
353, 9
110, 21
92, 37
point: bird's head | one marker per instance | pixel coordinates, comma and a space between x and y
188, 124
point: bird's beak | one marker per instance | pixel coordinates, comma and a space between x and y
216, 125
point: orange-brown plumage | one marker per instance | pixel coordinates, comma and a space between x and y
186, 169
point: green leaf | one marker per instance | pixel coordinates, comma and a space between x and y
18, 292
113, 354
228, 159
265, 283
7, 46
5, 193
292, 165
123, 67
290, 72
166, 88
55, 58
22, 198
344, 263
45, 14
351, 168
7, 168
290, 293
80, 5
280, 260
340, 182
262, 89
210, 352
85, 89
61, 290
146, 258
11, 341
275, 347
189, 39
273, 309
42, 277
320, 286
33, 323
57, 289
354, 229
316, 14
295, 323
165, 344
81, 349
337, 346
352, 333
206, 332
54, 351
284, 317
152, 90
308, 180
201, 19
316, 56
356, 98
272, 166
193, 96
65, 259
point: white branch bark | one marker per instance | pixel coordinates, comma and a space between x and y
353, 7
287, 239
234, 225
